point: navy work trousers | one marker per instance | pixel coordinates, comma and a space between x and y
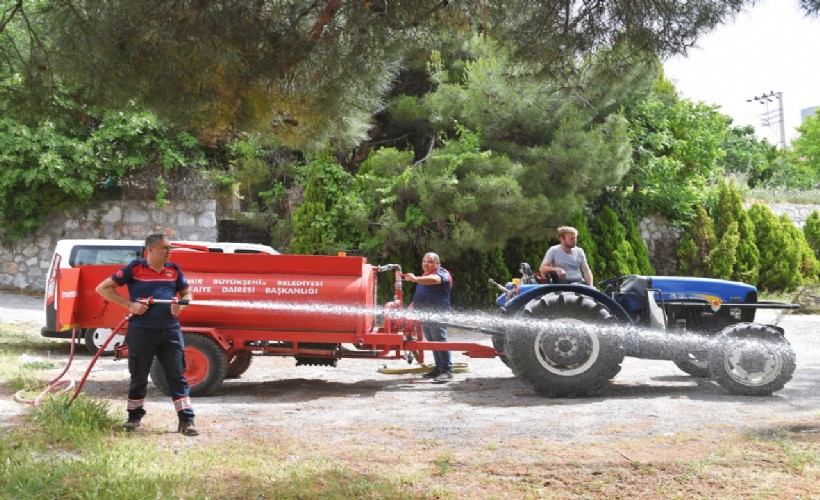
168, 347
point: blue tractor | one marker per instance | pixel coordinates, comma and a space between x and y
569, 340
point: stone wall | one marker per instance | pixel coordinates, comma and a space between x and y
661, 239
797, 213
24, 263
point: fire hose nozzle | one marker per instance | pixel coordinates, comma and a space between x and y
151, 300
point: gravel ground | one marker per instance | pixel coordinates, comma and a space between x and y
485, 405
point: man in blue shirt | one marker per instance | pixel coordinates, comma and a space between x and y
433, 295
153, 331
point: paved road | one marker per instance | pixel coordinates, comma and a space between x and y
15, 308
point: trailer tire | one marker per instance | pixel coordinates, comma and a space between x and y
239, 364
499, 344
555, 360
750, 359
95, 337
205, 366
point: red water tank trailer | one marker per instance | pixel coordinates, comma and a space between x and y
317, 309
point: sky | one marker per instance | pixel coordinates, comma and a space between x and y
772, 47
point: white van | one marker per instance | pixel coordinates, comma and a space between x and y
71, 253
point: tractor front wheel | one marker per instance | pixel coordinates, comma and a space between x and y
565, 345
750, 359
205, 366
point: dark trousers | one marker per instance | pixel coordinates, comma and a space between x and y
168, 347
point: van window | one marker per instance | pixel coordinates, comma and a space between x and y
100, 255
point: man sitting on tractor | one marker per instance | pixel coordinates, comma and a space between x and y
567, 261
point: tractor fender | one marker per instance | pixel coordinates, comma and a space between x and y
517, 303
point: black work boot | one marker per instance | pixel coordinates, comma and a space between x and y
435, 372
132, 425
187, 428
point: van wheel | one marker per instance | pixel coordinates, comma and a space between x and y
205, 366
95, 338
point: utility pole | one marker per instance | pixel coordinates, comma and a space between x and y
766, 118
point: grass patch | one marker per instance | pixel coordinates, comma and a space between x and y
803, 197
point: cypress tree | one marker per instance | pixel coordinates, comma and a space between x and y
806, 260
696, 244
747, 263
812, 232
610, 241
778, 254
633, 235
721, 260
585, 240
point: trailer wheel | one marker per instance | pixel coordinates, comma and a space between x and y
239, 364
205, 366
696, 366
751, 359
570, 349
499, 344
95, 337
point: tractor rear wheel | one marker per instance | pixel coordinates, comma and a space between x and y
570, 348
751, 359
239, 364
205, 366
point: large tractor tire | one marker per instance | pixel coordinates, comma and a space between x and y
95, 338
205, 366
566, 345
239, 364
751, 359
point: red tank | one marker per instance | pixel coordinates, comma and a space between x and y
296, 293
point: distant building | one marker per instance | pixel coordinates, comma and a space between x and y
807, 112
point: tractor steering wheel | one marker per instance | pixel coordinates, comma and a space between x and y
612, 284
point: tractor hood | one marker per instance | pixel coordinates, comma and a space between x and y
688, 288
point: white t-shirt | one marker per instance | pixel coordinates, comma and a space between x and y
569, 262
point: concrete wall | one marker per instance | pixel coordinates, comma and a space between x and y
24, 263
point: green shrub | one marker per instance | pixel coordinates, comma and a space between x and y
812, 232
721, 259
778, 253
695, 245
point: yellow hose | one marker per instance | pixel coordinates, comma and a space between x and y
420, 369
